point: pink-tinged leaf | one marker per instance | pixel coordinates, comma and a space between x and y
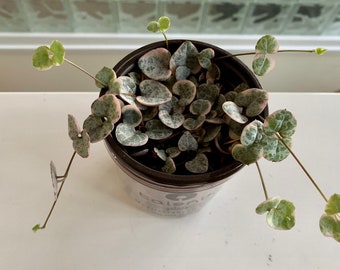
73, 127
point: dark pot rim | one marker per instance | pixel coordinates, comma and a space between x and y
124, 66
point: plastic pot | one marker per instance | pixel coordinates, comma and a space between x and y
176, 194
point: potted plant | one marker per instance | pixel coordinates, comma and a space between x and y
182, 116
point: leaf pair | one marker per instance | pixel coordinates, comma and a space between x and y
330, 220
259, 139
263, 61
45, 57
280, 213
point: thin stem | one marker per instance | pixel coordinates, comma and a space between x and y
84, 71
262, 180
253, 53
61, 187
302, 166
166, 39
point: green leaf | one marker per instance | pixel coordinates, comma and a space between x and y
205, 56
200, 107
153, 93
280, 213
97, 128
169, 166
333, 205
247, 154
41, 58
153, 26
164, 23
186, 90
128, 136
36, 228
186, 55
281, 121
128, 89
82, 144
73, 127
58, 52
199, 164
45, 57
208, 91
187, 142
251, 133
192, 123
274, 150
156, 130
254, 100
330, 226
262, 64
155, 64
267, 205
282, 216
105, 75
234, 112
267, 45
131, 115
107, 106
320, 51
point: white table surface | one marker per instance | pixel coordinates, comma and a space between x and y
95, 225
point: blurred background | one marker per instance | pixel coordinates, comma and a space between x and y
100, 32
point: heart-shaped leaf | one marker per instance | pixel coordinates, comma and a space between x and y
81, 144
156, 130
192, 124
131, 115
281, 213
173, 121
153, 93
199, 164
187, 142
234, 112
169, 166
200, 107
97, 128
267, 45
330, 226
155, 64
247, 154
186, 90
205, 56
208, 91
104, 76
160, 153
73, 127
186, 55
274, 150
128, 136
262, 64
330, 221
252, 133
213, 73
281, 121
333, 205
254, 99
211, 132
173, 151
107, 106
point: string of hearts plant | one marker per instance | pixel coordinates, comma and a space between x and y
177, 99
